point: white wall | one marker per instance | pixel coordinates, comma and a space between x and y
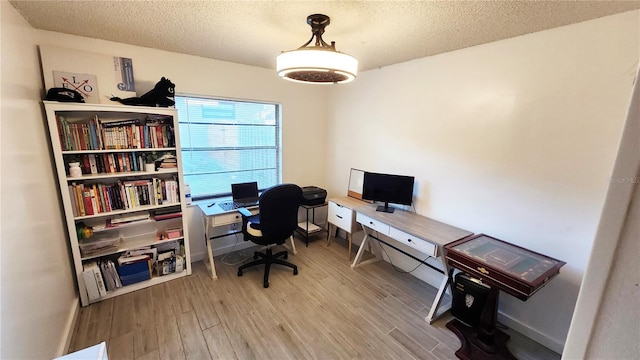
622, 308
606, 321
38, 297
515, 139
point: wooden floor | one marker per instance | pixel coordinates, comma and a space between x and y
328, 311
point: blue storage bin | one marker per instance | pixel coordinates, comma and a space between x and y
134, 272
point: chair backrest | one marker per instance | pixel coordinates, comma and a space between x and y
279, 212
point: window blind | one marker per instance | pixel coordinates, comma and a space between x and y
228, 141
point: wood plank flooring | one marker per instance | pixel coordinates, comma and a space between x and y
328, 311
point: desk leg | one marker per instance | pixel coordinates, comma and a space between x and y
212, 263
356, 261
433, 312
360, 251
293, 245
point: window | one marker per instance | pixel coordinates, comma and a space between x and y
225, 142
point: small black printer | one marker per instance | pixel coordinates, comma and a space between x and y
313, 195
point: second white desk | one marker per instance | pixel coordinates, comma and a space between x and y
426, 235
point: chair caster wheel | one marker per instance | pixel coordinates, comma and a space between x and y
239, 272
286, 255
295, 271
266, 285
255, 256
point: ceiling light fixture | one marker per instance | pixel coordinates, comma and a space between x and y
320, 63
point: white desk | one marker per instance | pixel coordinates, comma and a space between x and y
341, 215
426, 235
215, 216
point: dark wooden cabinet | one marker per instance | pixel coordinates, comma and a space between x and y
512, 269
500, 266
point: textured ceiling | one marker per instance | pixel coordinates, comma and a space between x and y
377, 33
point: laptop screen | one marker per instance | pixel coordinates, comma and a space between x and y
245, 192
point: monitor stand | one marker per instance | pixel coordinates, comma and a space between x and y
385, 208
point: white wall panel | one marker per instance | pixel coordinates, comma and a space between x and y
515, 139
38, 296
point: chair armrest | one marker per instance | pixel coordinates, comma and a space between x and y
245, 212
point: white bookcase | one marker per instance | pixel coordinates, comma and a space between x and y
130, 208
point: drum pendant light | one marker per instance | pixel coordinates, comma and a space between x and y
319, 63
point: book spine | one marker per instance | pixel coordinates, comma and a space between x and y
102, 290
88, 205
165, 138
92, 136
72, 198
95, 202
100, 163
86, 164
79, 199
93, 164
108, 279
123, 196
119, 163
102, 199
112, 162
61, 134
159, 136
100, 133
84, 140
130, 196
115, 191
107, 139
90, 282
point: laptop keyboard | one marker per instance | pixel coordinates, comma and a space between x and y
232, 205
229, 205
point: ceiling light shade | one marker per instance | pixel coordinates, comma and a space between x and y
320, 63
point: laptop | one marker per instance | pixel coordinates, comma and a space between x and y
243, 195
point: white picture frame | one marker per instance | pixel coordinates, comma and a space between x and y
356, 182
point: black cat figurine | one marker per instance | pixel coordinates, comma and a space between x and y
162, 95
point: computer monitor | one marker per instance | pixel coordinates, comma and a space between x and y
388, 188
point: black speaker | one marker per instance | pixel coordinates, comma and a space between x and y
469, 298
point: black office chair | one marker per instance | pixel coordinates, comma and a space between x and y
273, 225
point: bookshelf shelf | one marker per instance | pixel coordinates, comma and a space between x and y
125, 211
111, 142
123, 246
107, 151
153, 281
125, 174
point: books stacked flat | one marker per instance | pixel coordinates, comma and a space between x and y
167, 161
165, 214
125, 218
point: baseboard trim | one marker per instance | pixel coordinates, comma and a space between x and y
531, 333
71, 324
199, 256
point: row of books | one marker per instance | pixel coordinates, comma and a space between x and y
92, 199
111, 163
103, 275
97, 134
93, 280
110, 273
